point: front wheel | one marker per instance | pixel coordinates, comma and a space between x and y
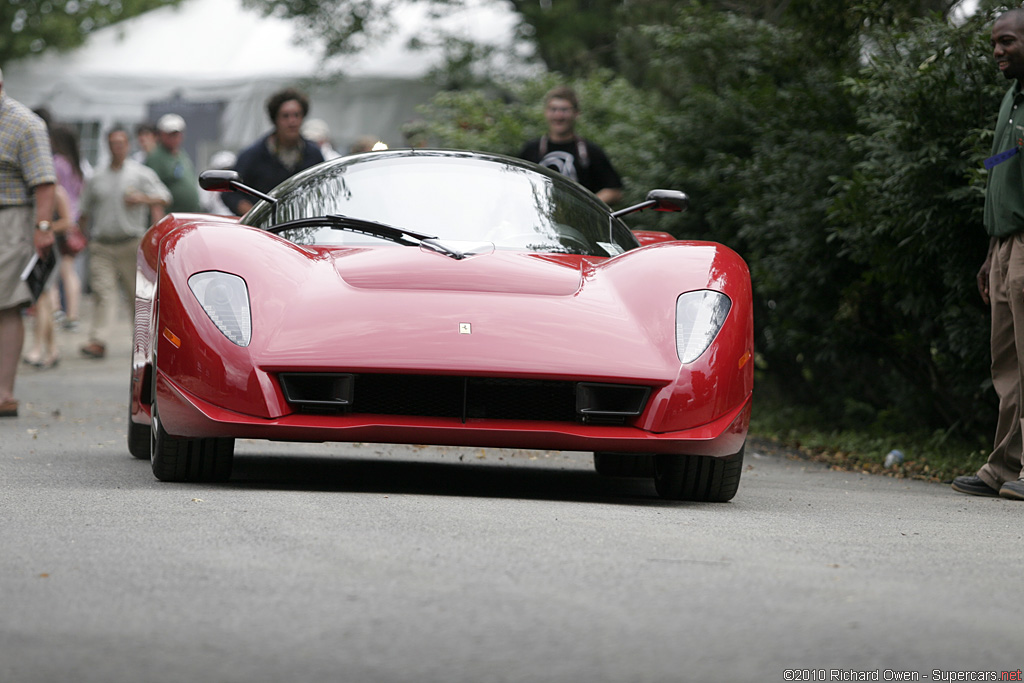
698, 477
179, 459
139, 439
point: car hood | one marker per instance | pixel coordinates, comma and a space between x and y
391, 308
397, 308
398, 268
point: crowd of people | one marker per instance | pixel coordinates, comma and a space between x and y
91, 220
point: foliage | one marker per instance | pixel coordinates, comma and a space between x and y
344, 26
577, 37
910, 216
758, 136
31, 26
837, 27
936, 455
572, 36
823, 183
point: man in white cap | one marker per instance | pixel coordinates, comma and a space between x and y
27, 181
173, 166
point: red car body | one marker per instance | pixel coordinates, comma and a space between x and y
380, 342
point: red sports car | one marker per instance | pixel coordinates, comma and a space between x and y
442, 297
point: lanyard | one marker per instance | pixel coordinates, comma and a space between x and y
1000, 158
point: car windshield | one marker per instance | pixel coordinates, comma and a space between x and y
457, 197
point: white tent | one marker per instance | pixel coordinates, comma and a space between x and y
215, 62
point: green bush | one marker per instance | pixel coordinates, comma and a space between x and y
910, 217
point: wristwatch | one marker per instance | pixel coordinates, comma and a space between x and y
43, 225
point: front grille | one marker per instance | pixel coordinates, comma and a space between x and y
464, 398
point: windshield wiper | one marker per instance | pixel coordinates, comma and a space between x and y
435, 244
409, 238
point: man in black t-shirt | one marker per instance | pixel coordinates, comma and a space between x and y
563, 151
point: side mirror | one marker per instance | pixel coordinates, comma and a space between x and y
230, 181
219, 181
669, 200
659, 200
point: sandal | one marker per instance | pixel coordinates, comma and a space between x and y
9, 408
94, 350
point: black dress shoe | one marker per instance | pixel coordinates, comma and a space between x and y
1013, 490
974, 485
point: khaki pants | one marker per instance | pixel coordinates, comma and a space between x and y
1006, 290
111, 270
16, 249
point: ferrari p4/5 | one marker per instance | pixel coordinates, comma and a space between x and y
442, 297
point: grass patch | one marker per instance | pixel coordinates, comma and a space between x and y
936, 456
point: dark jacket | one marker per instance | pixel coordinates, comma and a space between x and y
261, 170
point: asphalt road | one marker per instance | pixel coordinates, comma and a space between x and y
363, 562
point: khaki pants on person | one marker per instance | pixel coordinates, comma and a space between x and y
16, 247
111, 269
1006, 291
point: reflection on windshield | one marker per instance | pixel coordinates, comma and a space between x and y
464, 199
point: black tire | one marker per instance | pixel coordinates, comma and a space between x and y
624, 464
139, 439
697, 477
178, 459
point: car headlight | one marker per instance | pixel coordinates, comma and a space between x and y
225, 298
699, 317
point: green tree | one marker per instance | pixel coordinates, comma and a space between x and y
570, 36
910, 216
575, 37
758, 133
30, 26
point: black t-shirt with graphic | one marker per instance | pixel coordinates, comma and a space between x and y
579, 159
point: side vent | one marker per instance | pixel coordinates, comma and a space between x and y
318, 392
610, 403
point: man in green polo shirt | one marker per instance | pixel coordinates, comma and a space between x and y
1001, 278
173, 166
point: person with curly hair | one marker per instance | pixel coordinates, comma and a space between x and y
279, 154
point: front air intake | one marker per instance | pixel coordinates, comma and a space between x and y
318, 391
610, 402
464, 398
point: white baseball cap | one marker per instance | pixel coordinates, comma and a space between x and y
170, 123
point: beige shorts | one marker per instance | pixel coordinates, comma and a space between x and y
15, 250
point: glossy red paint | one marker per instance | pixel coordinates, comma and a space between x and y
723, 436
410, 310
646, 237
398, 309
